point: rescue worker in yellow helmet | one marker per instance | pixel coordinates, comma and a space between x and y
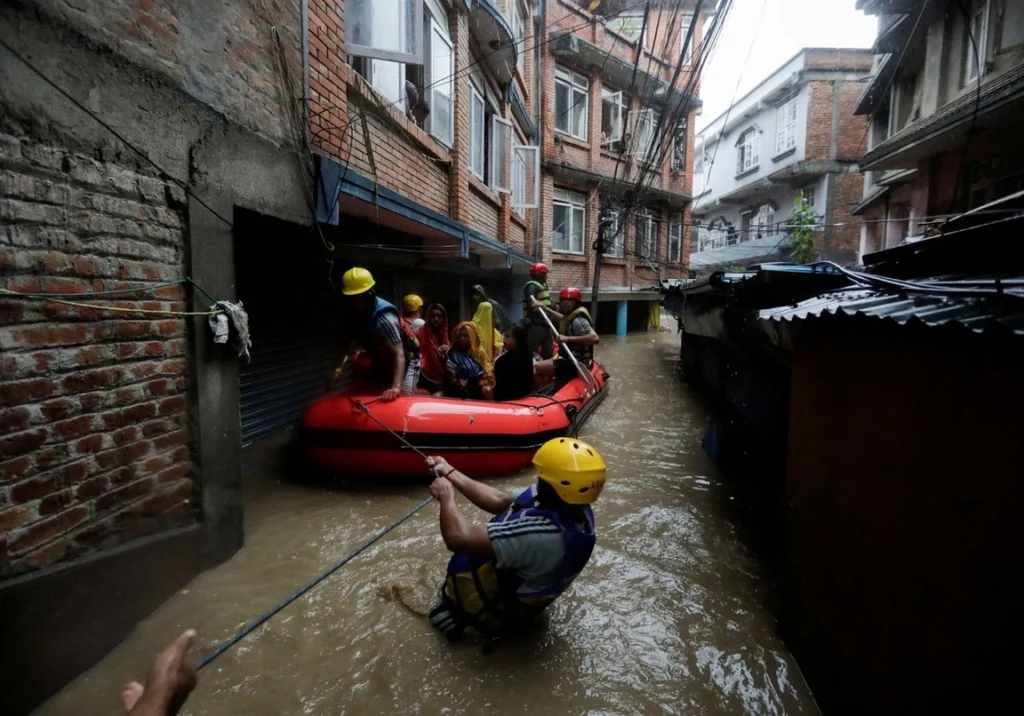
376, 326
412, 312
504, 573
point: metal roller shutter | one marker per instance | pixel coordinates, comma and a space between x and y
293, 318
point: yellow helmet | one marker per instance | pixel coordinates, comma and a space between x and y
412, 302
573, 468
356, 280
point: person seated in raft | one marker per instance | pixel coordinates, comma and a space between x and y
376, 327
513, 370
434, 346
488, 319
469, 373
575, 332
503, 574
412, 312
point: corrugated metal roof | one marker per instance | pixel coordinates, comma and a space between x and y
748, 252
975, 314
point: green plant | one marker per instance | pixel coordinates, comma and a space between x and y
802, 241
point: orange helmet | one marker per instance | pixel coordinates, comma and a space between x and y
570, 293
539, 269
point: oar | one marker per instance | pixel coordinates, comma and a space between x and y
584, 374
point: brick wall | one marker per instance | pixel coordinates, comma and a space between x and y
93, 439
844, 192
853, 129
819, 121
221, 53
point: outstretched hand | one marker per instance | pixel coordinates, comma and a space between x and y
168, 685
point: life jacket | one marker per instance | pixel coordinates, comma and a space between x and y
483, 598
543, 297
377, 346
581, 351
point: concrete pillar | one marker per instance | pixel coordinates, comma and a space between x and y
621, 323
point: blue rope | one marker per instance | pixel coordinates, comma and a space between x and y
253, 626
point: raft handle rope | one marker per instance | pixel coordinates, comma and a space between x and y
254, 625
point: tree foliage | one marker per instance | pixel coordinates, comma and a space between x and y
802, 241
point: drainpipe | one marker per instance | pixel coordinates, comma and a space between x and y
307, 128
538, 118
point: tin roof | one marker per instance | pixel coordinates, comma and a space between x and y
979, 315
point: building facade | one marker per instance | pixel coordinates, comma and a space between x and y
944, 104
793, 136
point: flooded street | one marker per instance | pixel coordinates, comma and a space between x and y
669, 616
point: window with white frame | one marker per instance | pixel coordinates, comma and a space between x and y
569, 221
517, 20
645, 133
614, 235
747, 155
809, 195
440, 73
614, 108
525, 176
477, 133
501, 146
571, 101
976, 42
764, 221
646, 235
389, 30
785, 126
629, 24
686, 48
675, 239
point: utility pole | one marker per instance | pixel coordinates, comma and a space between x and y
603, 222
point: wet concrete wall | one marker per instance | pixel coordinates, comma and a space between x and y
904, 503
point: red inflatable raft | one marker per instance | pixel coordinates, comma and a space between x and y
478, 437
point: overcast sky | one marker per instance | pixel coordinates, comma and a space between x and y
786, 27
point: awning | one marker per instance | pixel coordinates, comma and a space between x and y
519, 110
621, 185
342, 190
876, 91
492, 31
766, 248
870, 200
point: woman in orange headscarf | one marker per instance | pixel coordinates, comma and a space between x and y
469, 372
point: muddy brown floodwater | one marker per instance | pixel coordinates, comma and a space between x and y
668, 617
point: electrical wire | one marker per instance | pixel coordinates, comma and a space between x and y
112, 309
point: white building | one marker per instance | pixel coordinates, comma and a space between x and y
793, 134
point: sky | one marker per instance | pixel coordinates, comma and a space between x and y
785, 28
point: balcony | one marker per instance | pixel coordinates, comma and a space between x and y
492, 31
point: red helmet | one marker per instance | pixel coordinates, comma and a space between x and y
570, 293
539, 269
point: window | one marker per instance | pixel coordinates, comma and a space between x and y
613, 236
764, 221
646, 236
388, 78
525, 176
441, 84
571, 102
645, 130
976, 51
675, 239
385, 30
679, 147
477, 133
785, 126
747, 158
808, 194
568, 221
517, 20
686, 48
629, 24
501, 146
614, 107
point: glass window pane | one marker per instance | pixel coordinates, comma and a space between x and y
559, 229
561, 107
